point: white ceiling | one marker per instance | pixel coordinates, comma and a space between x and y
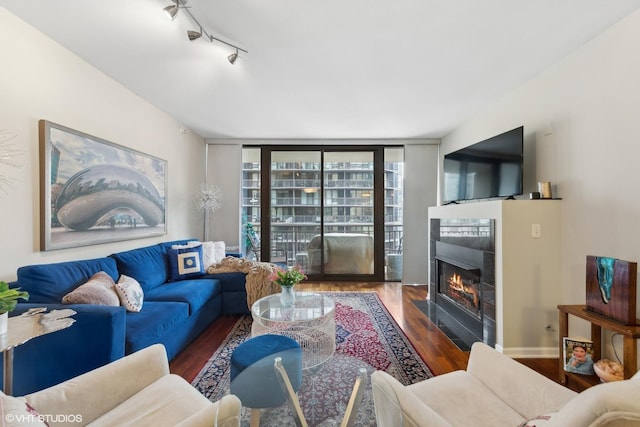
330, 69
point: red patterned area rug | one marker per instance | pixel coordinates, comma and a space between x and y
366, 337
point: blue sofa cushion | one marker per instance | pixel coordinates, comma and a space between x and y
147, 265
150, 325
231, 282
49, 283
185, 263
195, 292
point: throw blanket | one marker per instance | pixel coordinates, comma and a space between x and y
257, 284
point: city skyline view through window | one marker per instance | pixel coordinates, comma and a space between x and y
324, 211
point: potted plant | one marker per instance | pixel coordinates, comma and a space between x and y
287, 279
8, 299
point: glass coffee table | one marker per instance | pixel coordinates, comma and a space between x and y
310, 321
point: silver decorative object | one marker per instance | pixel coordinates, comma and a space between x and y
32, 324
545, 190
208, 198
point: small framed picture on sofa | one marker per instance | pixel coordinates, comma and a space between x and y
94, 191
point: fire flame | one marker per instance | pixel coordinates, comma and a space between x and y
456, 284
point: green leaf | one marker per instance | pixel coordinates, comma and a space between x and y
9, 297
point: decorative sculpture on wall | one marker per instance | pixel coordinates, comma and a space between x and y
99, 193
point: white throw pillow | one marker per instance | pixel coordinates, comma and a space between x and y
213, 253
219, 251
191, 244
208, 254
130, 293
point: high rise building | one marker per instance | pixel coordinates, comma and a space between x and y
295, 198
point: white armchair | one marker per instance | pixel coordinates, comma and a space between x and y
137, 390
496, 391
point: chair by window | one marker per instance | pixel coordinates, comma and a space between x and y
253, 245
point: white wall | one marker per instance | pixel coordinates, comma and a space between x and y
420, 192
40, 79
224, 169
421, 175
581, 133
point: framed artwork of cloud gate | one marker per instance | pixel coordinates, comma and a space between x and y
93, 191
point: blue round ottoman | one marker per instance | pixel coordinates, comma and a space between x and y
253, 377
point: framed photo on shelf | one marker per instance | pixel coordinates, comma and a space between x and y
94, 191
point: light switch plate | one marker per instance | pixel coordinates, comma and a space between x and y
536, 231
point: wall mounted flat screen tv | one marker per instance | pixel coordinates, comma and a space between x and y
488, 169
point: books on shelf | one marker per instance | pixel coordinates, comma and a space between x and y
578, 355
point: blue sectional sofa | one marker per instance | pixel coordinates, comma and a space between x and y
173, 313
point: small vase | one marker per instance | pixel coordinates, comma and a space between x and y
4, 322
287, 296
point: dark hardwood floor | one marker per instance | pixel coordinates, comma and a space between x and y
438, 352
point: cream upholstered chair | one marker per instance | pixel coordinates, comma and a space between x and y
496, 391
137, 390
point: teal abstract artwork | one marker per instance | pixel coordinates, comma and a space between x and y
604, 269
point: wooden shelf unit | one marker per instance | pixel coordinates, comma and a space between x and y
630, 333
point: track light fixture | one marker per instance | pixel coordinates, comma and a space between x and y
194, 35
233, 57
172, 12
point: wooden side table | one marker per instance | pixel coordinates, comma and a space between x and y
630, 333
31, 324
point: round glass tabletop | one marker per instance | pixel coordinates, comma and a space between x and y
309, 320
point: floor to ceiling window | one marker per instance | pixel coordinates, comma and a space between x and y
393, 212
336, 211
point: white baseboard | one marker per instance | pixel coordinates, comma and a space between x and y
529, 352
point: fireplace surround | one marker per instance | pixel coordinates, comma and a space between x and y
462, 279
526, 272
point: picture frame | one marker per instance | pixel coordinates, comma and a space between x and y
94, 191
611, 288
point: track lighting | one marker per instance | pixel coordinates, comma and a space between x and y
172, 12
233, 57
194, 35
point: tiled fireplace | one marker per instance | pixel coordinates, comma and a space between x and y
462, 283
